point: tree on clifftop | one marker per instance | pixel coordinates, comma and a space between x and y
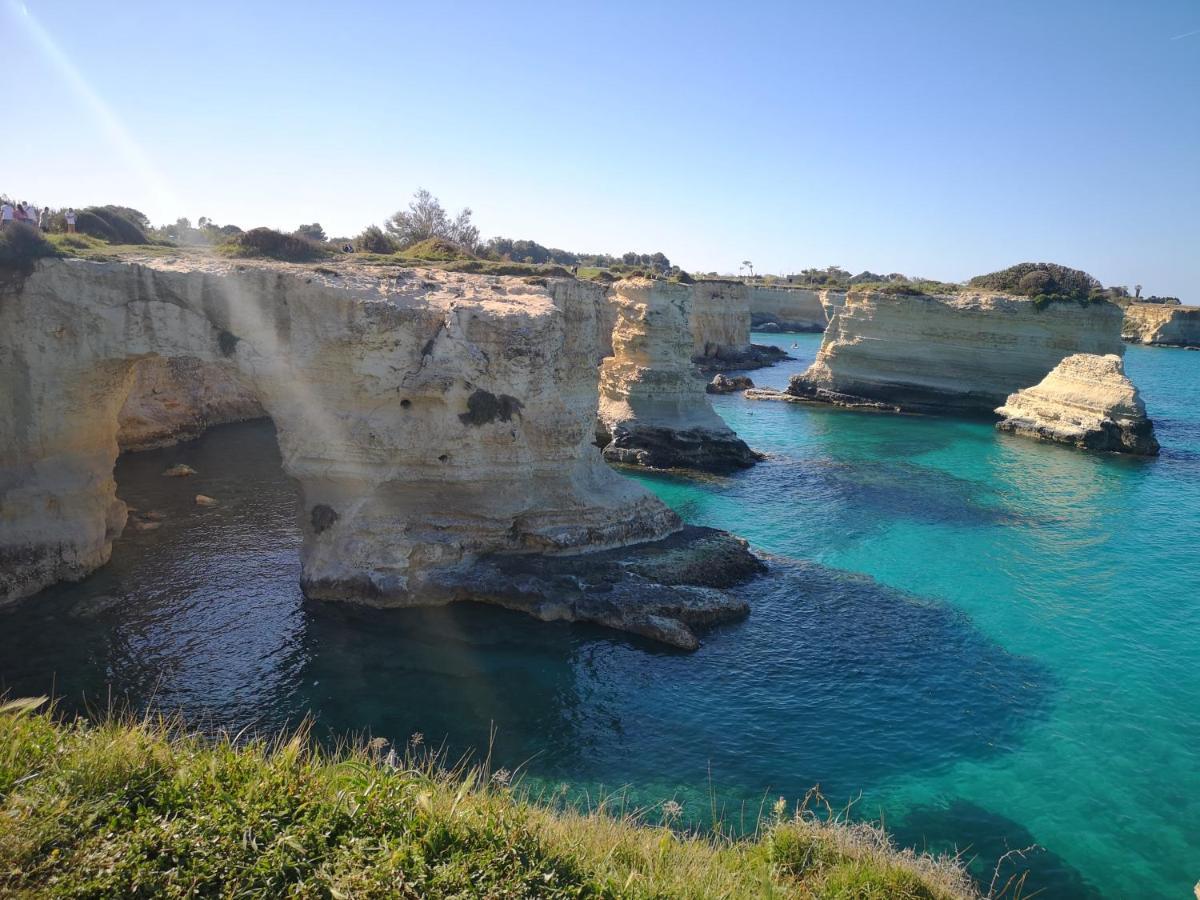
425, 218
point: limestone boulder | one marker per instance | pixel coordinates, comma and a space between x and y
1087, 401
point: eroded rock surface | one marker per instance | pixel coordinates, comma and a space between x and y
1086, 401
720, 322
725, 384
948, 354
653, 410
430, 419
172, 400
788, 308
663, 590
1162, 325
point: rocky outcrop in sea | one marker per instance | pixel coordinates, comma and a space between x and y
1087, 401
653, 410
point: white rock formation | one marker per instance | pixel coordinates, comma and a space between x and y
176, 399
958, 354
653, 410
430, 419
1086, 401
1162, 324
720, 318
791, 308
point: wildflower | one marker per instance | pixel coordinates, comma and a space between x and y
416, 740
376, 745
501, 777
671, 810
390, 759
779, 808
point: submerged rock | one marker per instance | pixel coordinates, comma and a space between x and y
205, 500
663, 590
948, 354
653, 411
180, 471
1086, 401
724, 384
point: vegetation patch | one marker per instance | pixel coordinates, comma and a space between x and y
1046, 283
21, 246
267, 242
437, 249
126, 808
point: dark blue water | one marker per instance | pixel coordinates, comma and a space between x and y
989, 641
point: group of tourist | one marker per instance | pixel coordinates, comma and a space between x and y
28, 213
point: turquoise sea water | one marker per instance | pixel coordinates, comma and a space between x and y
990, 642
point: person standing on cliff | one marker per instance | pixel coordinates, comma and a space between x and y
44, 222
6, 214
70, 221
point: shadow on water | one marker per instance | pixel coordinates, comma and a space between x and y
984, 837
834, 679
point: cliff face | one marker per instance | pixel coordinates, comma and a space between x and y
172, 400
720, 318
430, 419
961, 354
1162, 324
1087, 402
792, 309
653, 410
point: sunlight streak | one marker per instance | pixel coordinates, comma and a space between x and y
123, 142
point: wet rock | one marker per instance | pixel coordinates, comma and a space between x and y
179, 471
663, 590
724, 384
205, 500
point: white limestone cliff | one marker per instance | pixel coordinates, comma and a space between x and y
430, 419
1162, 325
948, 354
653, 410
790, 308
1086, 401
172, 400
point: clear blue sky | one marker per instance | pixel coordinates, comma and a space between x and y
934, 138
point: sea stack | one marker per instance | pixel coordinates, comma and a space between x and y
653, 410
720, 325
958, 354
1087, 401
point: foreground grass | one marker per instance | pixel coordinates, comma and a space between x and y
126, 808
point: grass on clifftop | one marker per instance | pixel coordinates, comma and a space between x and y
139, 808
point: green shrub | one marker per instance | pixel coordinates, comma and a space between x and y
21, 246
374, 240
115, 224
276, 245
1040, 280
437, 249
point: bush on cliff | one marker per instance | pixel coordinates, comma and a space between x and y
276, 245
1045, 282
21, 246
141, 808
374, 240
115, 224
436, 249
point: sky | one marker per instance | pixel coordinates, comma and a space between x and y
938, 139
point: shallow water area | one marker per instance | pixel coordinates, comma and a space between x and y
987, 640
